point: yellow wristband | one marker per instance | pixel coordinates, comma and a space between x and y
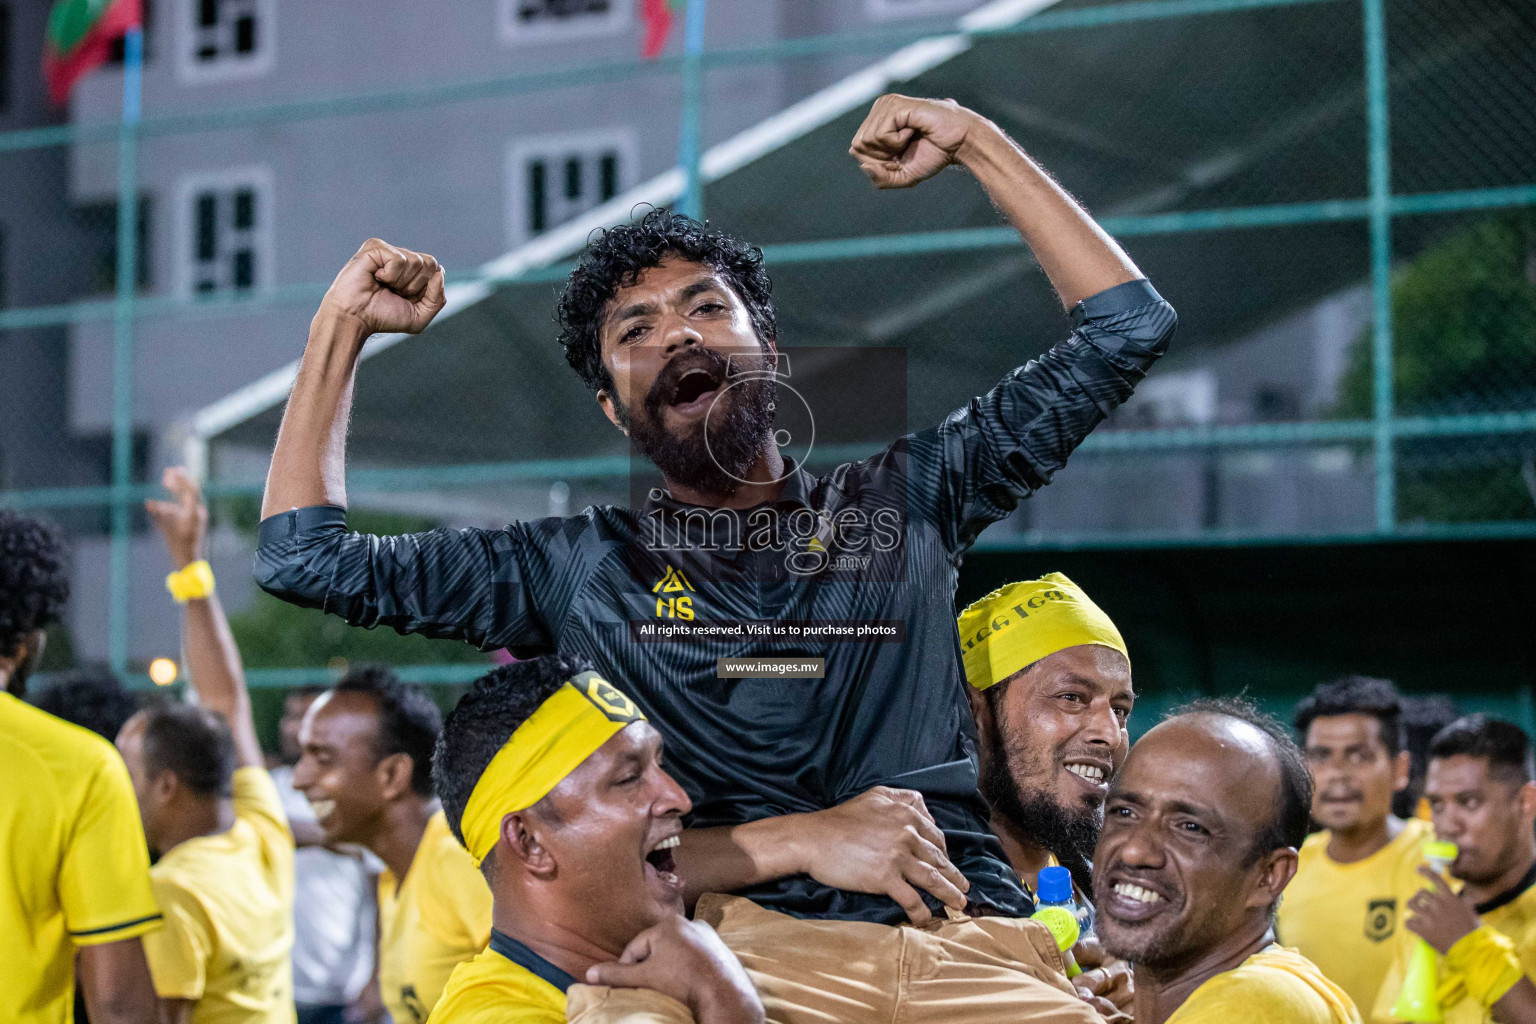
193, 583
1487, 964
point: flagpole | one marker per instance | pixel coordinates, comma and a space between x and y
120, 581
688, 145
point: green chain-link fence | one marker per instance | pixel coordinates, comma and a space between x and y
1339, 196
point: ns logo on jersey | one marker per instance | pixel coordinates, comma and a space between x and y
672, 600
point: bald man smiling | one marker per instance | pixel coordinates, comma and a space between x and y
1200, 835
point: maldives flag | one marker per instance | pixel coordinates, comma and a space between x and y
657, 16
80, 35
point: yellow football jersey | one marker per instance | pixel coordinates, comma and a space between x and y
510, 984
228, 905
436, 919
74, 869
491, 989
1513, 915
1276, 986
1343, 917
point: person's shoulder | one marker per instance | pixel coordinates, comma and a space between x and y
48, 752
29, 728
490, 989
1410, 841
1277, 985
1315, 846
260, 806
449, 867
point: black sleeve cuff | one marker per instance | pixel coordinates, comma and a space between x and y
1112, 301
299, 520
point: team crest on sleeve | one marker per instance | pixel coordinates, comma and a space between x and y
1380, 919
605, 698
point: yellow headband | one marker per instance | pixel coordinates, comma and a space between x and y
1018, 625
564, 731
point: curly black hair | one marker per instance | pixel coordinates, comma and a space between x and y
409, 720
34, 579
485, 718
92, 698
1356, 695
614, 259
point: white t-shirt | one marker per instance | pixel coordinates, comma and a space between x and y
333, 914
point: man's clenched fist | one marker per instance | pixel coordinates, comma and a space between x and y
904, 140
387, 289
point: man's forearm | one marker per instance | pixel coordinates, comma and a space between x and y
733, 857
309, 461
217, 675
1078, 256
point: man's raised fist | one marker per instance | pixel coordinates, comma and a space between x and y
905, 140
387, 289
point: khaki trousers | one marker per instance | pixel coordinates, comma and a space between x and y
963, 970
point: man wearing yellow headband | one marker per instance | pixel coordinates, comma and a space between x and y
1051, 692
552, 779
1481, 787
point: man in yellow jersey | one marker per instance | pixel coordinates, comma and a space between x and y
224, 878
1050, 688
1343, 908
552, 779
74, 874
1482, 797
1200, 835
366, 769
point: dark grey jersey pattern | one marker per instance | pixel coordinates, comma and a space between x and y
885, 713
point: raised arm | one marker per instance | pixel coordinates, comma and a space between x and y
213, 661
381, 289
905, 140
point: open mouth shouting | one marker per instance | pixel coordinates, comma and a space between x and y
694, 391
661, 867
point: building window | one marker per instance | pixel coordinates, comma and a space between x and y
225, 232
915, 8
525, 20
222, 39
552, 180
98, 223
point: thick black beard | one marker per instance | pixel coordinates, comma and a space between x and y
737, 434
1070, 834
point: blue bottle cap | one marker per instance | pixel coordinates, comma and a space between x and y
1055, 885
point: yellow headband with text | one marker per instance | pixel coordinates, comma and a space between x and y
565, 730
1012, 628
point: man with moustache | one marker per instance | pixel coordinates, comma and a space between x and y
1050, 688
1199, 841
1051, 692
653, 319
365, 768
1482, 796
1353, 878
